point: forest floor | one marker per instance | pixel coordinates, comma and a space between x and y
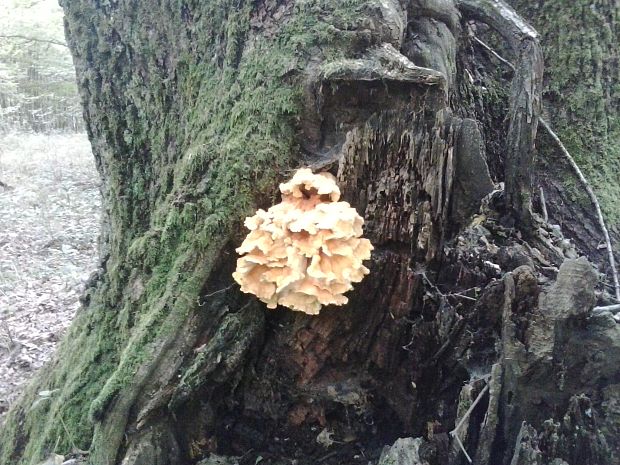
49, 224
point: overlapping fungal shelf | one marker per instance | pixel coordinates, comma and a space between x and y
306, 251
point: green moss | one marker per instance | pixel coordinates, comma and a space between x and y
88, 355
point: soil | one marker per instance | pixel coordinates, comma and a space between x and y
49, 224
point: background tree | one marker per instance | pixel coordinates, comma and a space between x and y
196, 110
37, 77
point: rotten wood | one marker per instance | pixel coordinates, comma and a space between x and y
588, 188
525, 99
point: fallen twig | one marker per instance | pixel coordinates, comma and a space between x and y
219, 291
451, 294
609, 308
454, 432
460, 295
69, 435
7, 330
33, 39
494, 53
458, 326
458, 440
471, 409
594, 200
543, 205
428, 281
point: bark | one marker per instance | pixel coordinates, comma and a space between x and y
196, 110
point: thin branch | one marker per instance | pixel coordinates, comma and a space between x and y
69, 435
428, 281
471, 409
582, 178
609, 308
458, 440
219, 291
33, 39
494, 53
7, 330
543, 205
460, 295
455, 432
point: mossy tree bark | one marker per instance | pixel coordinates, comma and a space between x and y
196, 110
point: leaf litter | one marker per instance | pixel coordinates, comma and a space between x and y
49, 226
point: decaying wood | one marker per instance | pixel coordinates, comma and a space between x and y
543, 206
525, 100
586, 185
33, 39
383, 63
455, 432
609, 308
197, 372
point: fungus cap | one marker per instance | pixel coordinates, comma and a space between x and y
306, 251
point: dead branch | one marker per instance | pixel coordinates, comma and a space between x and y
543, 205
458, 440
7, 330
609, 308
455, 431
219, 291
458, 295
494, 53
501, 17
33, 39
383, 63
471, 409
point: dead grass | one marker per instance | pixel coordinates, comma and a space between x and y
49, 224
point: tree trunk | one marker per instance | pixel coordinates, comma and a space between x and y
196, 111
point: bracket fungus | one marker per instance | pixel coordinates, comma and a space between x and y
306, 251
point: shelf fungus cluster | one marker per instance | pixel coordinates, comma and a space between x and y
306, 251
